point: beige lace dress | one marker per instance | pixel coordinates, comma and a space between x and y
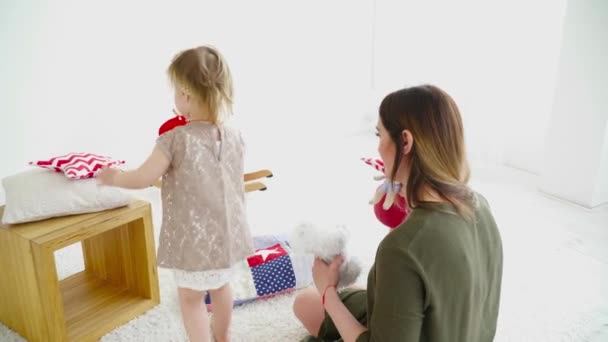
204, 231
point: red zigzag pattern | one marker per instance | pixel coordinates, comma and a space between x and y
78, 165
375, 163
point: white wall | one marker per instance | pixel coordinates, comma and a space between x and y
533, 49
90, 76
16, 40
574, 168
497, 59
601, 190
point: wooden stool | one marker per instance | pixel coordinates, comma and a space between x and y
119, 282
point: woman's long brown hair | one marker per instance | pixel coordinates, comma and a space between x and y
438, 156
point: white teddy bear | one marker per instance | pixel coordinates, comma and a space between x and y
326, 242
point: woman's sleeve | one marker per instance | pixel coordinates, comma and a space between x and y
399, 299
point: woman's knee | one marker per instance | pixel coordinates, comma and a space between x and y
308, 309
303, 302
298, 304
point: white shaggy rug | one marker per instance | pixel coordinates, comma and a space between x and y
555, 270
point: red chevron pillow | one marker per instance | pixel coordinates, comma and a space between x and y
78, 165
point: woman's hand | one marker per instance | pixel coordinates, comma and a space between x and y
325, 275
107, 176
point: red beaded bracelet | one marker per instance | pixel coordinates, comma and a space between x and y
324, 291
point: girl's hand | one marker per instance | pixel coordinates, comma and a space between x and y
107, 176
325, 275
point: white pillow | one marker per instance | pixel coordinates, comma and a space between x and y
40, 194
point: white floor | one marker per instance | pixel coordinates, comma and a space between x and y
556, 255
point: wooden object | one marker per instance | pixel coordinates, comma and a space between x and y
257, 175
119, 282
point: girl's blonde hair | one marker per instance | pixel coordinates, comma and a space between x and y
203, 73
438, 156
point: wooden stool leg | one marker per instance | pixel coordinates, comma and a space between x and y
50, 294
121, 257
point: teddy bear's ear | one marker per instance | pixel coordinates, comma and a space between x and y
300, 235
341, 230
298, 228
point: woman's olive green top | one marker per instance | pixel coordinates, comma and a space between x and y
436, 278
